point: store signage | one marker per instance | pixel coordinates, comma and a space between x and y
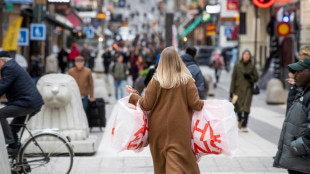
263, 3
283, 29
211, 30
58, 1
232, 5
61, 8
19, 1
213, 9
283, 1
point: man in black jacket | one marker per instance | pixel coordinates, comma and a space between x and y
190, 62
22, 95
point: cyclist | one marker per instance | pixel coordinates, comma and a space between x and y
22, 95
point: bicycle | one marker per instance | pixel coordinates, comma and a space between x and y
45, 151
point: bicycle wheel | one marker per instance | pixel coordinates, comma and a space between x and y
46, 153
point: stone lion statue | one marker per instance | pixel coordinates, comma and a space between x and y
62, 107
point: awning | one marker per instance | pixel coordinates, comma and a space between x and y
74, 18
58, 22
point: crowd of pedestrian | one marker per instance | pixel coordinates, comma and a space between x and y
155, 70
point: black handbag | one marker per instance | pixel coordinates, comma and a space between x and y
255, 89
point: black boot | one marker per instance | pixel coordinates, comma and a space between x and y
245, 122
239, 119
13, 149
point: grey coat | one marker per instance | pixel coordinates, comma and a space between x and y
294, 147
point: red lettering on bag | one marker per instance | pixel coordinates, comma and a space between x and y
142, 131
213, 139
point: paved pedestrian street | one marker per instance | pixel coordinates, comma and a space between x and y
255, 153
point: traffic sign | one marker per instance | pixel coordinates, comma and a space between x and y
283, 29
263, 3
283, 1
228, 31
37, 31
23, 38
89, 32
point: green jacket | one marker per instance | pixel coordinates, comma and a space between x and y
242, 86
118, 71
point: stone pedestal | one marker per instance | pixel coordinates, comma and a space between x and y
63, 110
211, 87
4, 161
275, 93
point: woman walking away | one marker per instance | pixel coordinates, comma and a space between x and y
242, 79
218, 65
171, 96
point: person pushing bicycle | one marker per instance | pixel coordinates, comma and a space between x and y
22, 95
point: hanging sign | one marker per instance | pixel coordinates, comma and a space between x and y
283, 29
263, 3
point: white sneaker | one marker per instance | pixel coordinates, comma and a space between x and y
244, 129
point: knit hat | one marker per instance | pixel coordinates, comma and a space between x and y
4, 54
191, 51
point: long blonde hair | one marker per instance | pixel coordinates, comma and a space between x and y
171, 71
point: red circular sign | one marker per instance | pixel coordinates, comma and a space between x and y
283, 29
263, 3
283, 1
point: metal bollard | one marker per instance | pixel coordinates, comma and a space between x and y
4, 160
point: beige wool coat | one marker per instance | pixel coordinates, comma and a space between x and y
169, 124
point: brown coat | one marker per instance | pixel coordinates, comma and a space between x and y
169, 124
84, 79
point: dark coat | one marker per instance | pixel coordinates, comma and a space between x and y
291, 96
35, 69
196, 73
294, 144
18, 86
242, 86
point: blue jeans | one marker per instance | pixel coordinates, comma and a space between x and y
119, 84
85, 102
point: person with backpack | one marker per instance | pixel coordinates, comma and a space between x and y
189, 60
119, 71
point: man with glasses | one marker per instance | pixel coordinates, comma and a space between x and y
84, 79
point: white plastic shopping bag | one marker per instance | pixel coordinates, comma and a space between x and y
130, 129
214, 129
